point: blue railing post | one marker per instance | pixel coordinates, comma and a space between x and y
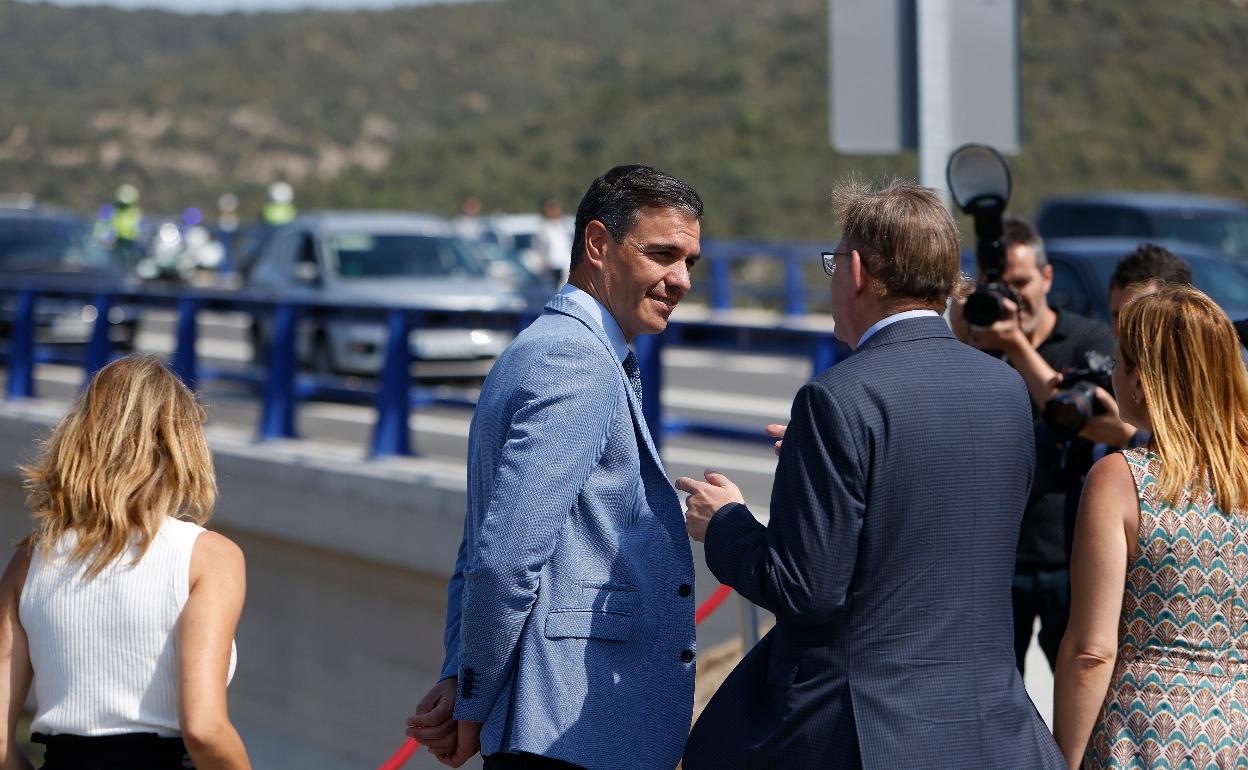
794, 287
390, 435
184, 361
649, 350
225, 237
721, 283
99, 347
826, 352
22, 348
277, 414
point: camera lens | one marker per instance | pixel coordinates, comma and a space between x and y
1068, 411
983, 308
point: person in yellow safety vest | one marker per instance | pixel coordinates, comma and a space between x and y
127, 219
280, 208
123, 224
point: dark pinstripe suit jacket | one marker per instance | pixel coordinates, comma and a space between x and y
887, 561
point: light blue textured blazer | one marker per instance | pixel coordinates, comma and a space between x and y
570, 612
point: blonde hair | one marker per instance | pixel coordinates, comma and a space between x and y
1196, 391
130, 452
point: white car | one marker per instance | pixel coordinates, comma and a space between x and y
395, 259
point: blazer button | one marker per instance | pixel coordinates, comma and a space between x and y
685, 589
686, 656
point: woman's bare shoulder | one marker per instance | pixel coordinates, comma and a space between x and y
216, 553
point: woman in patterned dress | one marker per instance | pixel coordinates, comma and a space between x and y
1153, 670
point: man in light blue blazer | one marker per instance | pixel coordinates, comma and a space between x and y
569, 633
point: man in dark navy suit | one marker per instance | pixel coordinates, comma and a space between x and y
894, 518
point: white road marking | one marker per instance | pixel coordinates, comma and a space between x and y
728, 403
737, 363
157, 339
205, 347
764, 464
755, 460
760, 460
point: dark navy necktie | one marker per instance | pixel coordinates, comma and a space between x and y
634, 373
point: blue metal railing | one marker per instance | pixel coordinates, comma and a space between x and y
790, 291
282, 386
795, 257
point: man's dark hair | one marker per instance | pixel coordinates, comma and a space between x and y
1149, 263
1016, 230
616, 197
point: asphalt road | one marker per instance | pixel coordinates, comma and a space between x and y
743, 390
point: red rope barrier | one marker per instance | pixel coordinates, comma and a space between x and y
401, 756
712, 603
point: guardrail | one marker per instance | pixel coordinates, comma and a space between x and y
283, 386
791, 292
796, 259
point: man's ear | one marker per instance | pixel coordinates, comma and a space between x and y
597, 238
858, 272
1047, 273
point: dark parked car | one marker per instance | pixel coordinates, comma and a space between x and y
1082, 268
1218, 224
55, 250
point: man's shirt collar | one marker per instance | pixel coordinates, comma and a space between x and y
892, 319
599, 312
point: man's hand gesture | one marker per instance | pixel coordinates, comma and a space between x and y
776, 431
705, 498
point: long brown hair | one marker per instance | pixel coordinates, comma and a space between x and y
1196, 391
130, 452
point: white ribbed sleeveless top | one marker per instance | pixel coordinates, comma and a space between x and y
103, 650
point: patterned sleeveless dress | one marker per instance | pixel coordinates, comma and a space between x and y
1178, 697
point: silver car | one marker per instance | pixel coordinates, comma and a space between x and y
400, 259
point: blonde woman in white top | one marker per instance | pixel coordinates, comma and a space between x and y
119, 608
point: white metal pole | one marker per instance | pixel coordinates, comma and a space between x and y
935, 93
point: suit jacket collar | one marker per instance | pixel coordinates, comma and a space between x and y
561, 303
908, 330
601, 316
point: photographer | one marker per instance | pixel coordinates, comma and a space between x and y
1142, 272
1039, 341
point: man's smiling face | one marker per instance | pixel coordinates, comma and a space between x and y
647, 273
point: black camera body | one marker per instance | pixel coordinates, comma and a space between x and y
986, 305
1068, 411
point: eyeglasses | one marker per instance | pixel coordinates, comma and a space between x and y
829, 260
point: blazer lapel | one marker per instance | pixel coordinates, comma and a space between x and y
561, 304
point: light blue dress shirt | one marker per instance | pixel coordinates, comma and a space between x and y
890, 320
599, 312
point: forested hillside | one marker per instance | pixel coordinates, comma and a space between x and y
516, 100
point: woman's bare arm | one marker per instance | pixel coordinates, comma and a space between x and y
1108, 511
205, 636
15, 669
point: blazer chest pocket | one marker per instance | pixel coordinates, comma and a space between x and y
603, 611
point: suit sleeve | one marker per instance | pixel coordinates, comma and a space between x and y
801, 564
454, 610
558, 433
